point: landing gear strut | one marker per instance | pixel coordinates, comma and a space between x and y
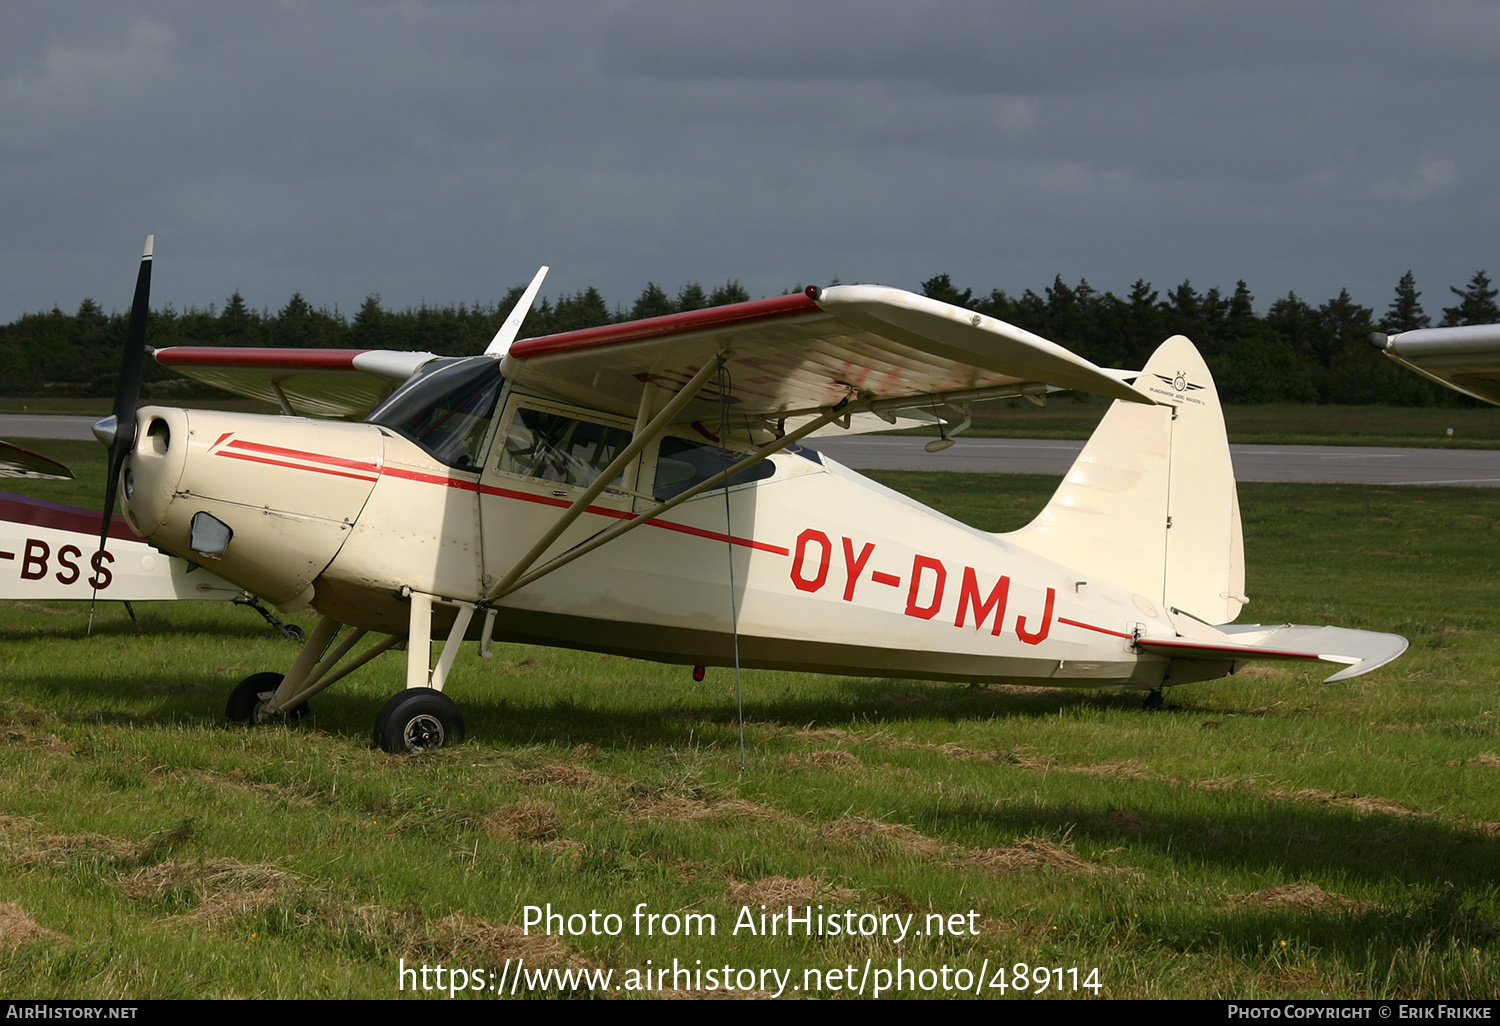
419, 719
248, 701
289, 631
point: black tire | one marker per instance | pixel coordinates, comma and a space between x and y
295, 633
246, 696
418, 720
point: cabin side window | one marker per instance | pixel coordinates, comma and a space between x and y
680, 464
554, 447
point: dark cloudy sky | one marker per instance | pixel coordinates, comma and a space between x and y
439, 151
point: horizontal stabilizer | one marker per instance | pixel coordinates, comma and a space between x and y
1359, 651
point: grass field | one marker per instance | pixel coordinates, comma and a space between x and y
1266, 836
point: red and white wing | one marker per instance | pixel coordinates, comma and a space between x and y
337, 383
798, 353
784, 357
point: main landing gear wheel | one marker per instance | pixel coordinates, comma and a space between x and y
247, 706
1153, 701
418, 720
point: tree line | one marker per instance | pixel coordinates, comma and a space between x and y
1294, 352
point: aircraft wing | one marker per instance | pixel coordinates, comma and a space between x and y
1466, 359
794, 354
785, 357
338, 383
18, 462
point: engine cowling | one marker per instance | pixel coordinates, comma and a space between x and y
266, 502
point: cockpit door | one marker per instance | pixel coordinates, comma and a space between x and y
541, 459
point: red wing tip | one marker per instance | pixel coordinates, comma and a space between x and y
257, 357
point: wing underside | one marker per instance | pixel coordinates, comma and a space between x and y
1466, 359
795, 354
341, 384
18, 462
882, 349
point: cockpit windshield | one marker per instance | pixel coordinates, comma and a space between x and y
446, 409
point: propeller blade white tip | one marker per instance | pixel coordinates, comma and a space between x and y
500, 344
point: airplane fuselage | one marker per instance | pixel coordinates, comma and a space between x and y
831, 572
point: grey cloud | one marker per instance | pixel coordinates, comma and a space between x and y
439, 151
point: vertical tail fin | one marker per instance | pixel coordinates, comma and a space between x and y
1150, 503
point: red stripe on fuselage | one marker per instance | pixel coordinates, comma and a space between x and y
22, 509
294, 466
619, 514
470, 486
301, 454
1091, 627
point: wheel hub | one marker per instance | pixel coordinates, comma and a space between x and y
422, 732
258, 714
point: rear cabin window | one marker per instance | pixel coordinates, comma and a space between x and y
680, 464
556, 448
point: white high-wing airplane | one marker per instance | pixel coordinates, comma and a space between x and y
1466, 359
637, 489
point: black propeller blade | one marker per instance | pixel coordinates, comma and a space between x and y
118, 430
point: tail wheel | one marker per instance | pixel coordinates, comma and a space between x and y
246, 705
418, 720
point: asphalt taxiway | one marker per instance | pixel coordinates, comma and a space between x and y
1327, 464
